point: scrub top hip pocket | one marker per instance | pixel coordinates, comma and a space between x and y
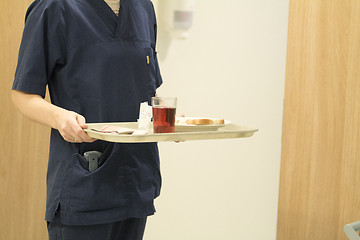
102, 189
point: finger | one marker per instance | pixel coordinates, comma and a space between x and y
88, 138
71, 130
69, 134
75, 133
81, 121
72, 139
78, 137
81, 136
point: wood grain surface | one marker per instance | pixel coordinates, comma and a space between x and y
24, 145
320, 166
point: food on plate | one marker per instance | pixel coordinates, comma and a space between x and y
199, 121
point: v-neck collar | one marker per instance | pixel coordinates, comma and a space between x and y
112, 21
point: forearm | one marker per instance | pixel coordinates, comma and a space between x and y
36, 108
69, 124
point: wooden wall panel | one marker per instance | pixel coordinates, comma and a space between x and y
24, 145
320, 165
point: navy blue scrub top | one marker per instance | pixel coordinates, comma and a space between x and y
102, 67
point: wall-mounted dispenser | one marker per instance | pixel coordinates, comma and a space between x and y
177, 15
175, 18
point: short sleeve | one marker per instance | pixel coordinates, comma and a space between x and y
42, 48
158, 74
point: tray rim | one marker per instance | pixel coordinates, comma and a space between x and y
222, 133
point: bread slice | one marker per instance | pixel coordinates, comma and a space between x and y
218, 121
200, 121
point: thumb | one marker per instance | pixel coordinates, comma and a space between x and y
81, 121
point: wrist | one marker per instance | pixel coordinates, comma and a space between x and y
57, 114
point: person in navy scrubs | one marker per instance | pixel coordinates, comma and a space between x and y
98, 67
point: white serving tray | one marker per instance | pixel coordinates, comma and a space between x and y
228, 131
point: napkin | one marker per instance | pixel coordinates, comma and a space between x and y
144, 121
115, 129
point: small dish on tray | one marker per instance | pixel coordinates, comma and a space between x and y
182, 126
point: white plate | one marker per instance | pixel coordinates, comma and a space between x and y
198, 128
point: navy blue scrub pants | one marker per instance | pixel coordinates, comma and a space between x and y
129, 229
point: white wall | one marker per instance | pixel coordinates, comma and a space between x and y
231, 66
